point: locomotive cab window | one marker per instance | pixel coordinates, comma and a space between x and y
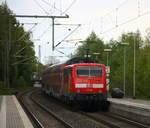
89, 71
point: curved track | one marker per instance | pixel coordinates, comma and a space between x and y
67, 125
38, 114
70, 118
114, 121
34, 120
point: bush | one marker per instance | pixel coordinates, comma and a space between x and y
1, 84
22, 82
3, 89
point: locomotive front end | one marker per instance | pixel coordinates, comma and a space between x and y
89, 83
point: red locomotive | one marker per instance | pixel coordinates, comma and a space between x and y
79, 81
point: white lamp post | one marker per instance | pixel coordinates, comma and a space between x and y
124, 67
107, 50
96, 53
107, 79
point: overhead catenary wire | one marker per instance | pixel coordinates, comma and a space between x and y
20, 50
128, 21
26, 59
43, 19
60, 10
44, 32
26, 32
140, 14
73, 2
52, 6
61, 52
116, 10
41, 6
67, 36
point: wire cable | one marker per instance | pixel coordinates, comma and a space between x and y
52, 6
128, 21
41, 7
67, 36
73, 2
26, 32
44, 32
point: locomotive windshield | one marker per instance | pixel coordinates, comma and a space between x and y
89, 71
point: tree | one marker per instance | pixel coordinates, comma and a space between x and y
17, 56
94, 44
142, 50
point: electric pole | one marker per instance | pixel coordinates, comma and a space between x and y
38, 66
42, 16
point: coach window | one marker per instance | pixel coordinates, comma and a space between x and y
67, 72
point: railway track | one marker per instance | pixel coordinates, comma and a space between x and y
71, 116
78, 119
114, 121
132, 122
25, 98
34, 120
67, 125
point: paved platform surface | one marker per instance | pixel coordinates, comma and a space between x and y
0, 101
11, 114
146, 102
138, 110
132, 102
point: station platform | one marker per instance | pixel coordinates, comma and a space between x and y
12, 114
135, 109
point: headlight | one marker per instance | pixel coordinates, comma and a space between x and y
81, 85
98, 85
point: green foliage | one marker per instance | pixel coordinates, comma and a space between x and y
116, 61
94, 44
22, 82
11, 91
3, 90
18, 54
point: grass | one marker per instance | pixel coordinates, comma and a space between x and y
12, 91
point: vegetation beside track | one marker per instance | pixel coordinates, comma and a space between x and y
18, 62
116, 60
14, 91
17, 69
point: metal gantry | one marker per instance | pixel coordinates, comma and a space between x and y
42, 16
6, 76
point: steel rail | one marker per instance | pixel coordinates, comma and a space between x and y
112, 125
31, 115
121, 118
67, 125
103, 121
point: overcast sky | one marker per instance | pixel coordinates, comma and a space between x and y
101, 16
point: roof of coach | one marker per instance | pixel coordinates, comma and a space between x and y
72, 62
84, 64
88, 64
77, 60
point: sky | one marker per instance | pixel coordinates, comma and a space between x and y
107, 18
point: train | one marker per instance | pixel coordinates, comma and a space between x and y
80, 82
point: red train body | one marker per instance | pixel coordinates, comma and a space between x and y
81, 83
